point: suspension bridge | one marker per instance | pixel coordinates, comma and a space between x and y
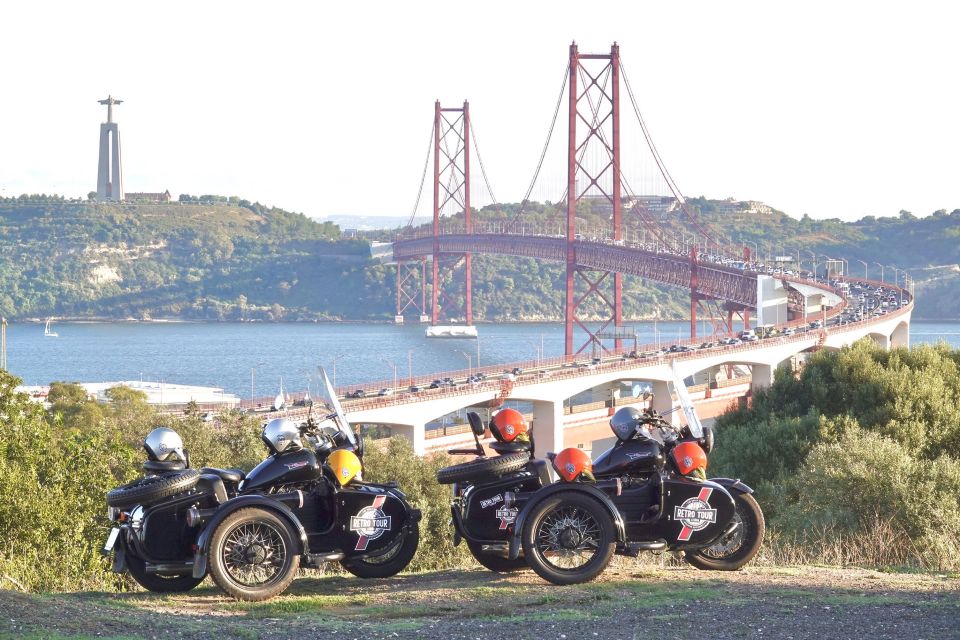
725, 283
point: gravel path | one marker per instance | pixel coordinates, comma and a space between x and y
630, 602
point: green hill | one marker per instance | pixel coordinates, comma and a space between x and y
230, 259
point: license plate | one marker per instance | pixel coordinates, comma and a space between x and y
111, 540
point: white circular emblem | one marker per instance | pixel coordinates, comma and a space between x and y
687, 461
696, 514
509, 429
370, 522
163, 447
570, 468
345, 472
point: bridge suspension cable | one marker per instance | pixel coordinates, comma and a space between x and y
483, 170
423, 179
671, 184
543, 153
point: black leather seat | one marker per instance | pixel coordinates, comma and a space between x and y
503, 448
158, 466
227, 475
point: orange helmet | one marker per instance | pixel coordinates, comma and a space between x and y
689, 457
571, 463
508, 425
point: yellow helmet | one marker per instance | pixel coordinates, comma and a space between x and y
345, 465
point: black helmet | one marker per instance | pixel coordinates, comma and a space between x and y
626, 423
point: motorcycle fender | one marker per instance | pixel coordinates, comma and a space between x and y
242, 502
730, 483
559, 487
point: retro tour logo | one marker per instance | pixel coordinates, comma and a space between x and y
507, 516
695, 514
370, 522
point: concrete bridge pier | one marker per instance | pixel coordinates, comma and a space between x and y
762, 376
900, 336
547, 427
881, 339
415, 433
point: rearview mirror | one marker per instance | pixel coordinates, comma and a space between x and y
475, 423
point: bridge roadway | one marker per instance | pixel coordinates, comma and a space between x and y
715, 280
548, 385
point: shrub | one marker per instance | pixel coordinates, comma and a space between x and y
865, 480
53, 479
417, 478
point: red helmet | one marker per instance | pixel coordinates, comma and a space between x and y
689, 457
508, 425
572, 462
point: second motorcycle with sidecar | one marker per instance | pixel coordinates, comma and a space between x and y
649, 492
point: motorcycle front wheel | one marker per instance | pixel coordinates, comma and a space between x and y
568, 539
395, 560
737, 548
159, 584
253, 555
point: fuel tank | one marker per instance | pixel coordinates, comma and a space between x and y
633, 457
282, 468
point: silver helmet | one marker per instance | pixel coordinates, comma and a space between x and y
281, 434
164, 444
626, 422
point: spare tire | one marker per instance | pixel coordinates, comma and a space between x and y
483, 467
146, 491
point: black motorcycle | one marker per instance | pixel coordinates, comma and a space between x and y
488, 492
647, 493
305, 505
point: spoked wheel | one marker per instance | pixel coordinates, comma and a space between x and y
395, 560
738, 547
253, 555
568, 539
494, 560
156, 583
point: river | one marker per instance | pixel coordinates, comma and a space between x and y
245, 357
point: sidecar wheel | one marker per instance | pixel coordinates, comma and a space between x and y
253, 555
388, 564
483, 468
151, 489
732, 551
495, 561
159, 584
568, 539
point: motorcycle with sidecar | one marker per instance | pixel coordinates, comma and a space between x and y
306, 504
649, 492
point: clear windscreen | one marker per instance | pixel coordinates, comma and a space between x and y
329, 404
693, 421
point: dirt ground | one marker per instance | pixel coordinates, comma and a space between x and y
629, 602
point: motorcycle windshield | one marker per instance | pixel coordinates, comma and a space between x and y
693, 420
331, 404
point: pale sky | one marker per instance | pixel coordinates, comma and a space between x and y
835, 109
